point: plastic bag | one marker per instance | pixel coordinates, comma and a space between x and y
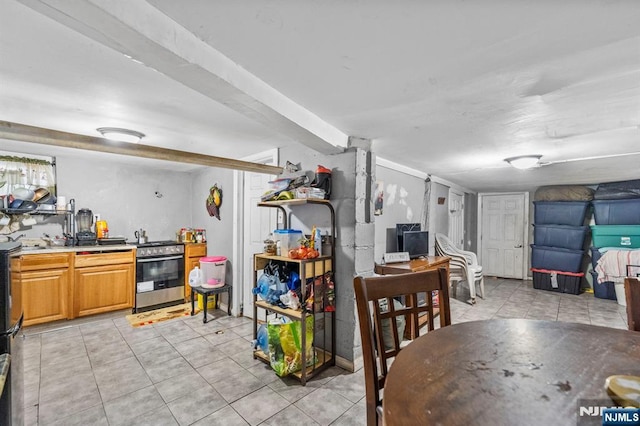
285, 345
290, 300
269, 287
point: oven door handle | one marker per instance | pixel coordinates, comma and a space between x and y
159, 259
13, 331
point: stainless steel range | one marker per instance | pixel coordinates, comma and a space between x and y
159, 275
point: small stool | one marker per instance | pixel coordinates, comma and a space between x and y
206, 292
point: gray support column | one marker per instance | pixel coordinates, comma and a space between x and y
364, 226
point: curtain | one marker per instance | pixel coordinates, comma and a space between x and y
25, 172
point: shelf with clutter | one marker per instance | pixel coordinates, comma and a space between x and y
291, 288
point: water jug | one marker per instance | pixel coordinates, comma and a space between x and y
262, 341
195, 277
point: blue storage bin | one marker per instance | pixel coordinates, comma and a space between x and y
596, 254
572, 284
560, 212
617, 212
556, 259
605, 290
562, 236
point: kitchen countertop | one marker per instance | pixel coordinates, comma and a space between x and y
76, 249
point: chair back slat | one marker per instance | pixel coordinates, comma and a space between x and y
381, 314
632, 295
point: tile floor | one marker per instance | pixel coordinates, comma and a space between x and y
101, 371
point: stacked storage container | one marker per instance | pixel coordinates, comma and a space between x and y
559, 236
616, 208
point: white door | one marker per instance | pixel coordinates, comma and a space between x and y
258, 223
503, 235
456, 218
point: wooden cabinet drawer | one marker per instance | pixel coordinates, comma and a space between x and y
195, 250
35, 262
100, 259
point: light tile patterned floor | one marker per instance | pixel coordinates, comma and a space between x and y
101, 371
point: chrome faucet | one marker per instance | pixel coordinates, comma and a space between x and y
16, 238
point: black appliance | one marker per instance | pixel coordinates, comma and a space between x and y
159, 275
84, 222
11, 317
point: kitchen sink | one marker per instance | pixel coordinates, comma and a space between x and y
33, 248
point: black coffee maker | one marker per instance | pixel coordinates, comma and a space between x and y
84, 222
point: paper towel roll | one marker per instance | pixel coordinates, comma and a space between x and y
61, 202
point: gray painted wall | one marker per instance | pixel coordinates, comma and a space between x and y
403, 198
439, 212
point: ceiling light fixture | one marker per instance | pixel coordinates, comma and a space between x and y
122, 135
524, 161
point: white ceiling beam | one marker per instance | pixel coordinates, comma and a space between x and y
142, 32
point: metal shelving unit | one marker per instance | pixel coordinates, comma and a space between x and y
308, 269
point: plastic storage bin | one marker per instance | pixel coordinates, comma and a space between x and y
562, 236
605, 290
565, 282
289, 239
617, 212
627, 236
556, 259
214, 269
560, 212
596, 254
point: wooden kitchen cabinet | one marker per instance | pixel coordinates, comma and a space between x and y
66, 285
44, 283
103, 282
192, 254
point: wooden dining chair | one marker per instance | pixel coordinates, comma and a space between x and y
632, 294
380, 316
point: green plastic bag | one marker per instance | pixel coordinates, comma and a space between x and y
285, 346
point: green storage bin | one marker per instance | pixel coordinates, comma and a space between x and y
627, 236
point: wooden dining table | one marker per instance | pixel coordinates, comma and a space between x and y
507, 372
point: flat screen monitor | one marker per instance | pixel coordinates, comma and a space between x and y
401, 228
416, 243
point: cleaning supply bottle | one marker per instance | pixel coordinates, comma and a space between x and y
195, 277
262, 340
317, 241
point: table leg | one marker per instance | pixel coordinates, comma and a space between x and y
193, 308
229, 302
206, 303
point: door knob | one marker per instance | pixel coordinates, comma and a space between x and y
518, 246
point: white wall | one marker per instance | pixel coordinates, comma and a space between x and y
219, 232
123, 195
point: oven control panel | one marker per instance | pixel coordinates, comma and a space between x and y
159, 251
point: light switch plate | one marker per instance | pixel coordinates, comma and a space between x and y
400, 256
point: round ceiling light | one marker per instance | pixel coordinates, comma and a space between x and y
122, 135
524, 161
